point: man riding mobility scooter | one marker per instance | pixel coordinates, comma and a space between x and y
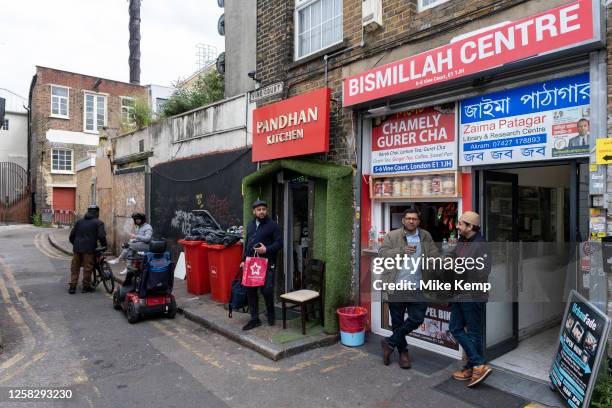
147, 289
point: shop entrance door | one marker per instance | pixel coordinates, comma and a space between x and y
296, 197
499, 224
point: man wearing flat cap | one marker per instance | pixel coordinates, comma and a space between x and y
264, 238
468, 308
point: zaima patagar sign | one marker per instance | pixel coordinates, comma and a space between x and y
542, 121
582, 344
568, 25
415, 141
293, 127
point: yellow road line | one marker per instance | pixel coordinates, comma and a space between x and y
332, 368
81, 377
264, 379
12, 361
305, 364
259, 367
204, 357
39, 246
24, 301
39, 242
34, 359
29, 340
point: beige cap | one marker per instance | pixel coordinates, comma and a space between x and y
470, 217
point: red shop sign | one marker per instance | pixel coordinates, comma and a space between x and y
568, 25
293, 127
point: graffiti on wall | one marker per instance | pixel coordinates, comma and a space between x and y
182, 221
181, 186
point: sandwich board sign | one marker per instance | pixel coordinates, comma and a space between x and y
583, 341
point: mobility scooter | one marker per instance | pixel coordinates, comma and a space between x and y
147, 289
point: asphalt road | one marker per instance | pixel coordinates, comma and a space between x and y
53, 339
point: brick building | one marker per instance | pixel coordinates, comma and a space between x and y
70, 114
401, 66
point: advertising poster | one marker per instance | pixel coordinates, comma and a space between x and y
418, 140
582, 342
435, 327
543, 121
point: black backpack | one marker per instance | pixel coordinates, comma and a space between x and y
238, 298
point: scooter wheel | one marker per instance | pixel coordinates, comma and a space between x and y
172, 310
132, 314
116, 301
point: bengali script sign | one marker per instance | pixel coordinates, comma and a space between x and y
547, 120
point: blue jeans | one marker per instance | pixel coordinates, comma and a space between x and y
401, 328
466, 322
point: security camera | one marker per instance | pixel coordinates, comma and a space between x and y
252, 75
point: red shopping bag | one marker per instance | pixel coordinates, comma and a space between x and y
254, 272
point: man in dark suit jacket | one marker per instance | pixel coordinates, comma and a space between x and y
264, 238
583, 134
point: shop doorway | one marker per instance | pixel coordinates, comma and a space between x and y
530, 215
438, 217
294, 203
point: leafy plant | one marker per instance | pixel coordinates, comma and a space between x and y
37, 219
208, 88
602, 393
143, 115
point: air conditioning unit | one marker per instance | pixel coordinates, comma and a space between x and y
371, 14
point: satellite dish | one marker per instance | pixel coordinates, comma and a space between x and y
221, 25
221, 3
221, 64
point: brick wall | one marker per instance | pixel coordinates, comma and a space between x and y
405, 32
40, 148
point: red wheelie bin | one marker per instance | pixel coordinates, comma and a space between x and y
196, 263
224, 264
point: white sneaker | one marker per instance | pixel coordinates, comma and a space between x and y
113, 261
123, 272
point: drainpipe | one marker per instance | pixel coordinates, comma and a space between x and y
357, 180
246, 120
147, 191
31, 183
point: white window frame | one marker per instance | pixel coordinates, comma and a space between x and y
67, 97
299, 5
435, 3
56, 171
5, 125
96, 129
127, 98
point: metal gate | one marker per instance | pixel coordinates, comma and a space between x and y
15, 197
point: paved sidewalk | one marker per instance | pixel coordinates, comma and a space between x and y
58, 238
272, 342
502, 389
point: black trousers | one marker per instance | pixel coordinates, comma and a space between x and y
268, 293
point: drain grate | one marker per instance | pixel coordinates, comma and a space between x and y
483, 395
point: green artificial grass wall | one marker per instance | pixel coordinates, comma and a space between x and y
320, 212
333, 235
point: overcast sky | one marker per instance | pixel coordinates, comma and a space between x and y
91, 37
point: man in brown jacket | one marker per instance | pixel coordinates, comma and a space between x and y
416, 243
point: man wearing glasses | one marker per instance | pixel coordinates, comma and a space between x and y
416, 243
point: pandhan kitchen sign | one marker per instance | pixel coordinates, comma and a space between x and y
294, 127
